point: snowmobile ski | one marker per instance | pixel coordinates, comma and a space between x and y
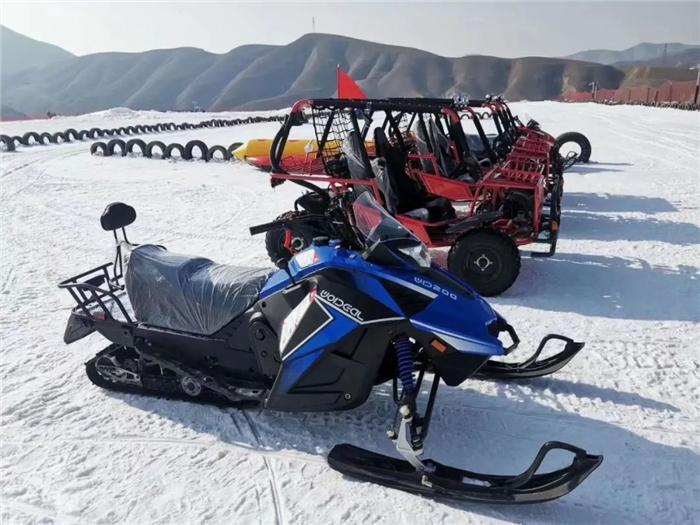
531, 367
441, 481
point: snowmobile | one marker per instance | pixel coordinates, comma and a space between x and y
315, 335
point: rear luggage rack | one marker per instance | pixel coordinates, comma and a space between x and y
89, 292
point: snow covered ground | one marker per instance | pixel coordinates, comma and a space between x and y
625, 280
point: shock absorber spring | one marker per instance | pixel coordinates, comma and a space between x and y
404, 357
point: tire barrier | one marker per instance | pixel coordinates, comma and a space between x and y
151, 146
9, 142
32, 138
116, 143
136, 143
193, 150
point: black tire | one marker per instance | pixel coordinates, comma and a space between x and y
107, 132
131, 130
99, 147
113, 144
95, 133
47, 138
29, 135
579, 139
191, 145
226, 156
70, 134
233, 147
466, 260
172, 147
136, 143
82, 134
9, 142
153, 145
115, 132
19, 140
140, 129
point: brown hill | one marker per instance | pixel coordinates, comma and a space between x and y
270, 77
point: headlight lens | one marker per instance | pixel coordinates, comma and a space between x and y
419, 254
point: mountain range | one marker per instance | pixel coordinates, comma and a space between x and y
671, 54
271, 77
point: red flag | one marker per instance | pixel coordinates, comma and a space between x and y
347, 88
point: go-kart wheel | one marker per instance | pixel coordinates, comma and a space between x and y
486, 259
276, 242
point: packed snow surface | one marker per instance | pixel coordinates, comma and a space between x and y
624, 280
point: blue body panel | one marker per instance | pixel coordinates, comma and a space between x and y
458, 316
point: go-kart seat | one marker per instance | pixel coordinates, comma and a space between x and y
408, 198
189, 294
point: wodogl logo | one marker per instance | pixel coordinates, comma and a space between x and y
340, 304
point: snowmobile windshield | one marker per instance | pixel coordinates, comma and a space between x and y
379, 229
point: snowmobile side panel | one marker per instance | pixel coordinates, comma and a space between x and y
333, 340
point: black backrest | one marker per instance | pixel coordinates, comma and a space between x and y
407, 191
443, 150
424, 145
117, 215
352, 148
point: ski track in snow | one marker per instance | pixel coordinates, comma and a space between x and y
625, 280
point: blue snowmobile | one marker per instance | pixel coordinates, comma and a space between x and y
316, 335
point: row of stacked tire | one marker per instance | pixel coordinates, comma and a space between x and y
31, 138
194, 149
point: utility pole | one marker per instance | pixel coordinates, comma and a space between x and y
313, 24
697, 84
663, 60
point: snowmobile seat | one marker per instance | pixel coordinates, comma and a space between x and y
117, 215
189, 294
409, 198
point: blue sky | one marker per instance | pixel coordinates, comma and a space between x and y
507, 29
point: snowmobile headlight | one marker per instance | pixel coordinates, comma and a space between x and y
419, 254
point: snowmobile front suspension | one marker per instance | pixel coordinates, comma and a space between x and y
531, 367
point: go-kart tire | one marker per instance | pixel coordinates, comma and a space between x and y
70, 134
113, 144
59, 137
191, 145
579, 139
274, 242
153, 145
467, 253
226, 156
